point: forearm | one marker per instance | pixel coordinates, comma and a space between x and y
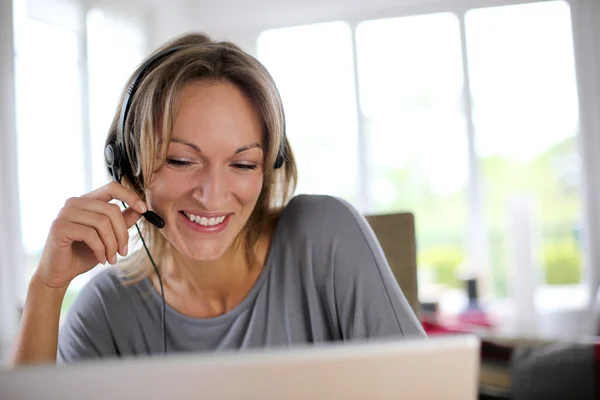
37, 338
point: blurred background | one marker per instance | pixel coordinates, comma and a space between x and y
478, 116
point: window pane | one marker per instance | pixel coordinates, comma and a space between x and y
525, 113
312, 66
116, 45
49, 113
410, 76
48, 129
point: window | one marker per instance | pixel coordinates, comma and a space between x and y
312, 66
49, 140
58, 83
418, 104
411, 83
116, 45
525, 112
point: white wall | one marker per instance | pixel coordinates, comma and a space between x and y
168, 19
239, 15
242, 20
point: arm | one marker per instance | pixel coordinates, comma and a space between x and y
369, 301
87, 231
38, 333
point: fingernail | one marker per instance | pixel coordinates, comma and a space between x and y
113, 259
123, 251
142, 206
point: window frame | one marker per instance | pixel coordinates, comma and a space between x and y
586, 41
587, 59
12, 254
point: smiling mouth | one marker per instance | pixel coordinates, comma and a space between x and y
204, 221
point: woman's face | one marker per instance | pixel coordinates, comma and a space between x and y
213, 176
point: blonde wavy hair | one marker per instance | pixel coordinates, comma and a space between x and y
150, 120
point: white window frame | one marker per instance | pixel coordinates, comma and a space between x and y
585, 16
585, 21
11, 253
12, 279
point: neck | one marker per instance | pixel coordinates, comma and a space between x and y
206, 289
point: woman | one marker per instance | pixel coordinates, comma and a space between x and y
200, 142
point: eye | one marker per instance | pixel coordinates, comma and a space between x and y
178, 163
245, 167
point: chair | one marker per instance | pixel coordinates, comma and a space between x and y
396, 234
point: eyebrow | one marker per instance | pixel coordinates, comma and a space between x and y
197, 149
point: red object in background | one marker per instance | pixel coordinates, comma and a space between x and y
475, 317
433, 329
470, 321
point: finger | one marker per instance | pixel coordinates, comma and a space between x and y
101, 223
89, 236
116, 191
131, 217
113, 212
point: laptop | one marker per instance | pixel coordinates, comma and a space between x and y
434, 368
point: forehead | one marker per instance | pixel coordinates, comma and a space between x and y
216, 111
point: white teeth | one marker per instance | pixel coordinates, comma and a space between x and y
205, 221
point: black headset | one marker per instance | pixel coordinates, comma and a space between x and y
115, 153
119, 164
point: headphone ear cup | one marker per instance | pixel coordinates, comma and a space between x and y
279, 161
112, 157
280, 157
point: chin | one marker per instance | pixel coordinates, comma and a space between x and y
204, 249
205, 257
207, 254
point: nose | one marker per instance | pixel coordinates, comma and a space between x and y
211, 188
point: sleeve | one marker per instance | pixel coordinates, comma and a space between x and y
369, 301
85, 332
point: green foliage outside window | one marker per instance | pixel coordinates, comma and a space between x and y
550, 179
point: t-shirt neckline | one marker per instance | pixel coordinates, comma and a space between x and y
235, 311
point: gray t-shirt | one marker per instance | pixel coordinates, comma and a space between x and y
325, 279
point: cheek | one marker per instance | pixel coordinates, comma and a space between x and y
248, 188
167, 186
171, 185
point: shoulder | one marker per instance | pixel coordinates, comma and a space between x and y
334, 226
320, 213
315, 204
105, 291
104, 283
99, 316
85, 331
327, 224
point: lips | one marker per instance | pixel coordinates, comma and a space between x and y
205, 220
206, 223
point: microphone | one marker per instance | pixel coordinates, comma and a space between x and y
154, 219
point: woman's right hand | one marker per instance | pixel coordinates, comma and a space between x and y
88, 230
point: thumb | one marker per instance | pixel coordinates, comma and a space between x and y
131, 217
